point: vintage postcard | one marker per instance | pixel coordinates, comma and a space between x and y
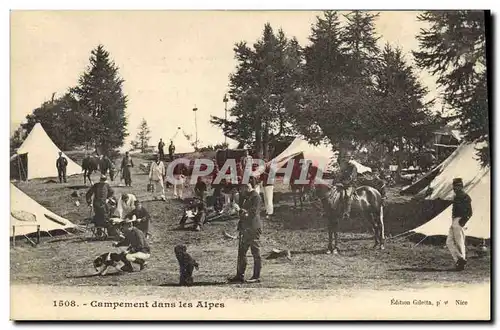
250, 165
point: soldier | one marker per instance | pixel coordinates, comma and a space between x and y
101, 191
348, 176
171, 150
161, 153
142, 218
250, 228
157, 174
138, 250
461, 213
61, 164
127, 163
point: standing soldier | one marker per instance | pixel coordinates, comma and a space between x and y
250, 228
161, 145
61, 164
157, 175
101, 192
127, 163
171, 150
461, 213
348, 176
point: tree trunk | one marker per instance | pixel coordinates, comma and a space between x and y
399, 156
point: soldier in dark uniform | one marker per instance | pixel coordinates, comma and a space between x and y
61, 164
127, 164
101, 191
461, 213
198, 206
142, 216
347, 176
161, 153
200, 188
171, 150
138, 250
250, 227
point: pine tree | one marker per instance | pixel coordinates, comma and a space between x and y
454, 49
143, 136
338, 82
100, 95
403, 116
264, 89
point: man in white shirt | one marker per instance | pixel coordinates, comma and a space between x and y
157, 173
126, 204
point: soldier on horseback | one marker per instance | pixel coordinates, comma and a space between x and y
347, 177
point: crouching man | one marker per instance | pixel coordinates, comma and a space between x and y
137, 247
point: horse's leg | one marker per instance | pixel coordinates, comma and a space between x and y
332, 235
335, 234
376, 231
84, 177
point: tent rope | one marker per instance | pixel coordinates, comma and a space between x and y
420, 242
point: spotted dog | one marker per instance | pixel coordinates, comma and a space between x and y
106, 260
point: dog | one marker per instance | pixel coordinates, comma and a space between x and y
186, 265
106, 260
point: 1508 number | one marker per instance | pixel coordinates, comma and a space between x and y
64, 303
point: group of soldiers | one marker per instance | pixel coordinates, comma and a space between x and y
171, 150
133, 226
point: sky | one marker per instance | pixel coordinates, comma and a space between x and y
171, 61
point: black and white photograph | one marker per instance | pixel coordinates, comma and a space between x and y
250, 165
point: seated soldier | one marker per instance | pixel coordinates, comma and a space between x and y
197, 208
138, 250
347, 177
142, 218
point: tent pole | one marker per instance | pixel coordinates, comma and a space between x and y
420, 242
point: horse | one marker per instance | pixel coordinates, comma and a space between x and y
89, 165
367, 201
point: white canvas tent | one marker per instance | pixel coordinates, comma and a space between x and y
181, 143
463, 163
479, 224
322, 154
41, 155
27, 216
